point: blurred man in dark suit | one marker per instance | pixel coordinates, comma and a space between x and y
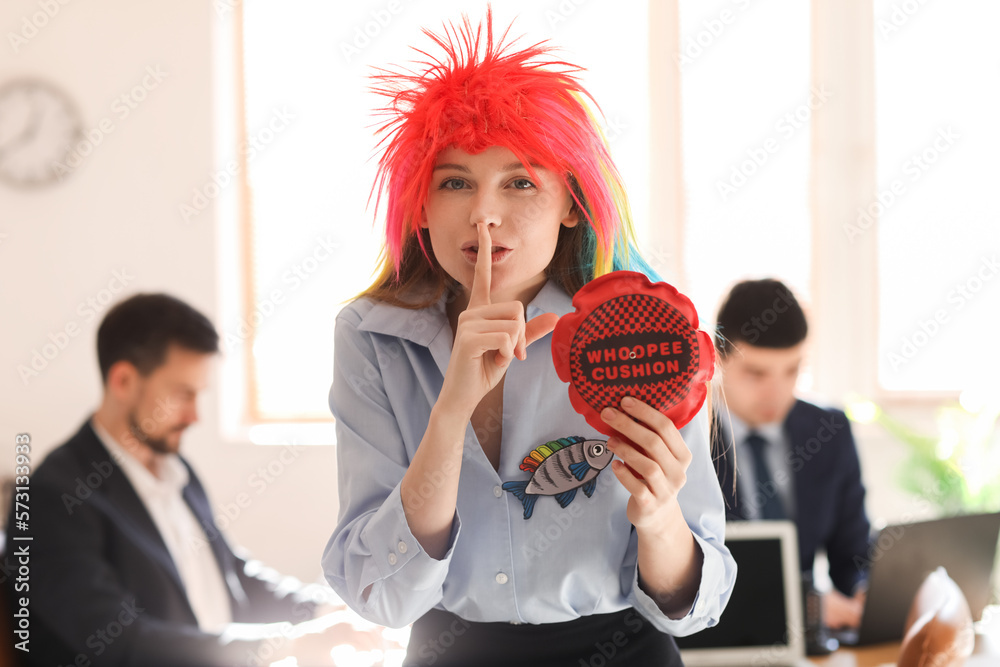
127, 565
796, 461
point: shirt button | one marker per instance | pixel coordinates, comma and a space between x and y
392, 559
497, 491
401, 547
501, 578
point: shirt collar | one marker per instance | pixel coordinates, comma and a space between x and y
422, 326
173, 473
770, 432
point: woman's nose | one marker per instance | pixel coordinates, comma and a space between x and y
486, 207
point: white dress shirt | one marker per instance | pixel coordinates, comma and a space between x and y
777, 453
162, 495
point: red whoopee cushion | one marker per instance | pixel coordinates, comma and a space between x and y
631, 337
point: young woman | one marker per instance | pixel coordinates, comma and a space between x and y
502, 201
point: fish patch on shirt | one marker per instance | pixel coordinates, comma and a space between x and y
559, 468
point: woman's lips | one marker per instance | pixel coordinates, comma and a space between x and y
499, 254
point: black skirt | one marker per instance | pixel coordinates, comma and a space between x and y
624, 638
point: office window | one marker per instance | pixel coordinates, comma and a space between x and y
746, 106
938, 101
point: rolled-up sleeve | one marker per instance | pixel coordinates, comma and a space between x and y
372, 544
702, 506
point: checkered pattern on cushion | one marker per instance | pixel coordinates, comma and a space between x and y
634, 314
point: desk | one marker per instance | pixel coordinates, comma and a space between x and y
868, 656
985, 654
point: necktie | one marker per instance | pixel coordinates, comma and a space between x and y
765, 494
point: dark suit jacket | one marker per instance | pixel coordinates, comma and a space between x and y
829, 495
102, 583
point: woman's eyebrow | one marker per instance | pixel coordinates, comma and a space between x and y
513, 166
456, 167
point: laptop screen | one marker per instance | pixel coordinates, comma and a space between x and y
756, 614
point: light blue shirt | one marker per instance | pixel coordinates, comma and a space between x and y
558, 565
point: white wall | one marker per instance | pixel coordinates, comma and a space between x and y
119, 212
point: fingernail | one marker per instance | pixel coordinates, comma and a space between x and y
628, 402
609, 413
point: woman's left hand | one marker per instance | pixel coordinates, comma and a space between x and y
654, 461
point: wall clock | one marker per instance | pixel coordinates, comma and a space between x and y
39, 128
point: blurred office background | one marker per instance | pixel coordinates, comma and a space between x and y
221, 151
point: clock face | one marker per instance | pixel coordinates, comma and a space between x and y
39, 128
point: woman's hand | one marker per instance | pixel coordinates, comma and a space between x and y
654, 461
653, 468
488, 336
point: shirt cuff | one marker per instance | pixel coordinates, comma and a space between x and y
393, 546
709, 601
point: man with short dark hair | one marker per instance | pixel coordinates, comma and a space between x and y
127, 564
795, 460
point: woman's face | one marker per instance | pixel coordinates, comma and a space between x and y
523, 215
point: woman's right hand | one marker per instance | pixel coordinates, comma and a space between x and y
488, 336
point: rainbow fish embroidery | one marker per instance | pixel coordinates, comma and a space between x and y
560, 467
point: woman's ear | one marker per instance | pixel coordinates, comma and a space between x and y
423, 217
572, 217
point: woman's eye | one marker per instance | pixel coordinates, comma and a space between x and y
522, 184
452, 184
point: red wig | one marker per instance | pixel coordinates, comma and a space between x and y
482, 93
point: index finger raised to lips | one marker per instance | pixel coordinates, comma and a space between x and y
480, 295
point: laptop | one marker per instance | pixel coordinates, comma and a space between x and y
762, 624
904, 554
